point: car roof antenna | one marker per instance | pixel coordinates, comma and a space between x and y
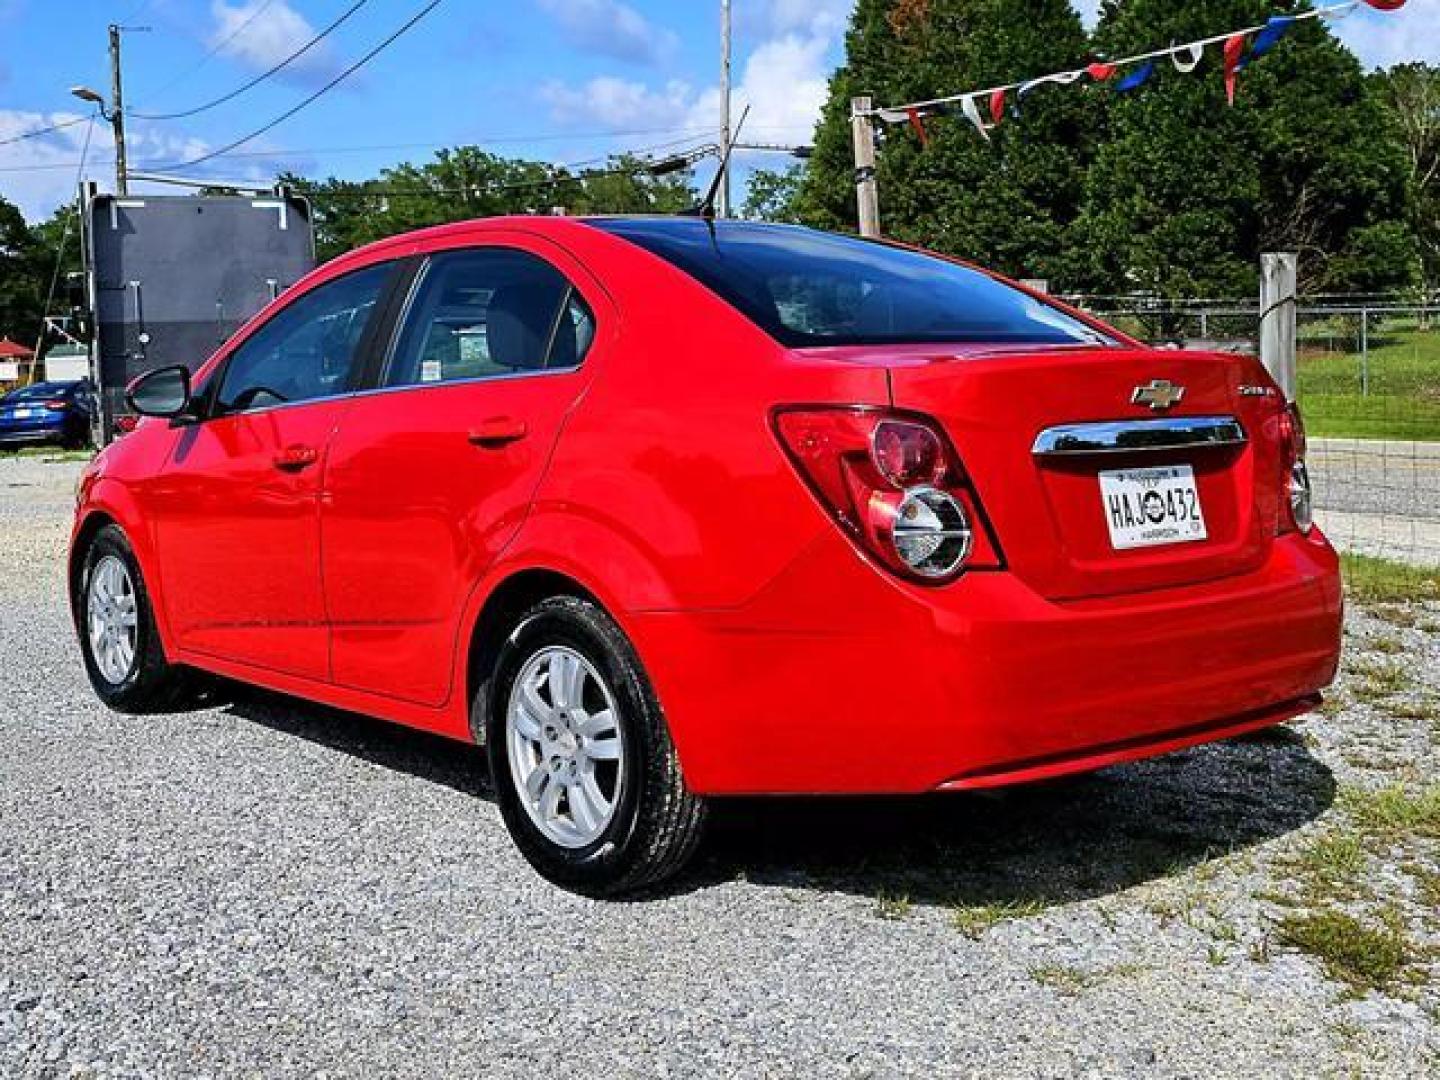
706, 206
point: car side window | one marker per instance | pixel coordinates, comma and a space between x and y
488, 312
309, 349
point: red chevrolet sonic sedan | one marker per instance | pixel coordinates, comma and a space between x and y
661, 509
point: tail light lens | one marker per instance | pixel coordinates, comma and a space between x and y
1294, 476
55, 406
893, 482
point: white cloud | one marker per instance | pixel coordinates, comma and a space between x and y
1382, 38
612, 29
45, 167
611, 102
816, 18
783, 80
261, 36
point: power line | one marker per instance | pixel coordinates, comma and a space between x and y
217, 47
61, 126
64, 241
257, 80
463, 141
431, 6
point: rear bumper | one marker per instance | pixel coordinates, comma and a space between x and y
25, 434
837, 679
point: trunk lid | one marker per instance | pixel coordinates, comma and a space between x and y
1061, 527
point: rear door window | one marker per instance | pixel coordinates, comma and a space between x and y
489, 312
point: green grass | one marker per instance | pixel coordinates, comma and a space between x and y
1394, 811
973, 920
1404, 380
893, 906
49, 453
1332, 863
1373, 679
1363, 955
1372, 580
1070, 980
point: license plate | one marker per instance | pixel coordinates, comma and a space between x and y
1146, 507
23, 414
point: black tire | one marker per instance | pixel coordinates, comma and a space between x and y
152, 684
656, 823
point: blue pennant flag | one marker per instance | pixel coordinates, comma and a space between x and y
1136, 78
1265, 40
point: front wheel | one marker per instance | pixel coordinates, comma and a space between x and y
587, 777
116, 624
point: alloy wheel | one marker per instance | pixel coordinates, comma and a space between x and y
565, 747
111, 621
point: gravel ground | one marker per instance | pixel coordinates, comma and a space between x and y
269, 888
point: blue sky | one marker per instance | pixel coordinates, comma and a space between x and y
560, 80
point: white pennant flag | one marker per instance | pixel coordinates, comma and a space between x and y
1194, 52
972, 113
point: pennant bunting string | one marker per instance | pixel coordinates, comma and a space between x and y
1185, 58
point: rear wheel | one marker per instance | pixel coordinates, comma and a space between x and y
587, 777
116, 624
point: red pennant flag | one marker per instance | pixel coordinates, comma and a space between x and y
1234, 47
1099, 71
919, 125
1386, 5
997, 105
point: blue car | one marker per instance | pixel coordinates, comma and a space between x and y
47, 412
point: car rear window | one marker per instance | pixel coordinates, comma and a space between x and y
40, 390
805, 287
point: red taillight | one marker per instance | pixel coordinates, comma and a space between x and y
1292, 435
1296, 511
55, 406
893, 482
907, 453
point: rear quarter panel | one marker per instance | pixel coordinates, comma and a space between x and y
667, 485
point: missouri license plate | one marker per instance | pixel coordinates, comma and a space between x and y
1148, 507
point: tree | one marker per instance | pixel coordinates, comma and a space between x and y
774, 195
1009, 202
1410, 94
23, 276
468, 182
1185, 192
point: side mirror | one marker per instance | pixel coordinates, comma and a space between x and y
162, 392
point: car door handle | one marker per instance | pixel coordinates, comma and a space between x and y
496, 432
296, 457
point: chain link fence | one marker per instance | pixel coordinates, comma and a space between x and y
1368, 374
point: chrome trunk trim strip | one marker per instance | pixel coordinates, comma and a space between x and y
1139, 436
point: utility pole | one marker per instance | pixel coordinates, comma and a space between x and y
724, 108
867, 195
1277, 318
117, 112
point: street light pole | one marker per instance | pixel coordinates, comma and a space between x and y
724, 108
117, 113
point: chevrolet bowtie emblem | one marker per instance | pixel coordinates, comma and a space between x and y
1158, 394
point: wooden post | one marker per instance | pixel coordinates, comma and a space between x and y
862, 136
1277, 318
